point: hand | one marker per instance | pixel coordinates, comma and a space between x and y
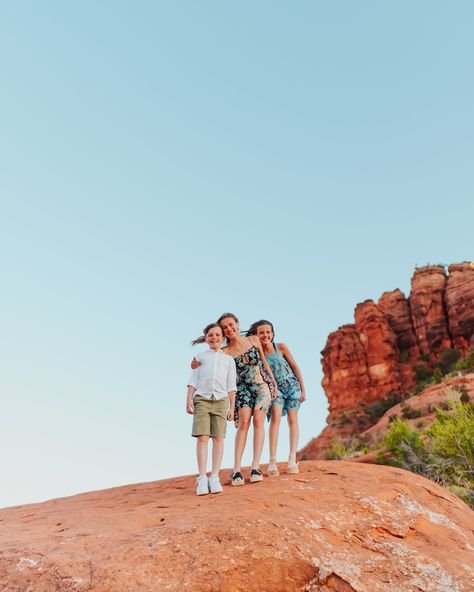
275, 392
195, 364
303, 397
190, 407
230, 414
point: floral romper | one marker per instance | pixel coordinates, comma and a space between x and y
254, 385
289, 389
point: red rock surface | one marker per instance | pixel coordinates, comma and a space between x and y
460, 306
379, 343
337, 526
345, 368
377, 355
396, 308
427, 310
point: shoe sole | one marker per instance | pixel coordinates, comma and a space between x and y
238, 483
256, 479
292, 471
218, 491
273, 473
203, 493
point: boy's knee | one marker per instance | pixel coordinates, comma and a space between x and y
203, 438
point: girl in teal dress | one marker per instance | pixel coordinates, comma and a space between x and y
291, 392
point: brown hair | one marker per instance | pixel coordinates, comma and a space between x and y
254, 326
205, 331
227, 315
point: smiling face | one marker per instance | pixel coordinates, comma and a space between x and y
265, 333
214, 338
230, 327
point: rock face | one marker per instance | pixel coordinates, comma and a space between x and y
379, 344
459, 299
428, 285
396, 309
377, 356
337, 526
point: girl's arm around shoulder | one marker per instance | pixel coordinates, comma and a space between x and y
285, 352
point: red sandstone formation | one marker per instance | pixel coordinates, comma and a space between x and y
337, 526
345, 368
396, 308
379, 343
459, 298
427, 310
379, 353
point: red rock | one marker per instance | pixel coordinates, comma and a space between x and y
380, 345
345, 370
427, 310
336, 526
396, 308
459, 298
364, 362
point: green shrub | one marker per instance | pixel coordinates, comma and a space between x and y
466, 363
410, 412
422, 373
446, 452
403, 442
447, 360
377, 409
339, 450
437, 376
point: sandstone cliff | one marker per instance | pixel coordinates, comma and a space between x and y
391, 345
336, 526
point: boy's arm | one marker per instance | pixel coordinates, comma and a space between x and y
231, 388
230, 414
189, 399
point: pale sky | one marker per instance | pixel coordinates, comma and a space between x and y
162, 163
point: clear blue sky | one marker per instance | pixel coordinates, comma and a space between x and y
164, 162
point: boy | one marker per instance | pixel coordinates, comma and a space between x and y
211, 398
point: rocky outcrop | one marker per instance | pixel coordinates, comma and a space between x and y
337, 526
430, 323
396, 308
459, 297
379, 344
378, 355
345, 368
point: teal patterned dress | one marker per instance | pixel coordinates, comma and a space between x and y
289, 389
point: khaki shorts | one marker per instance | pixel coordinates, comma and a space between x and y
210, 417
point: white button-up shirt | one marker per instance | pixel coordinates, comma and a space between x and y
216, 376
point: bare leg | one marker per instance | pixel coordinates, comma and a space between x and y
201, 453
294, 432
217, 452
274, 429
245, 414
258, 436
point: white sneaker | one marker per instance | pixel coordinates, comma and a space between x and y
202, 485
292, 467
273, 469
215, 484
